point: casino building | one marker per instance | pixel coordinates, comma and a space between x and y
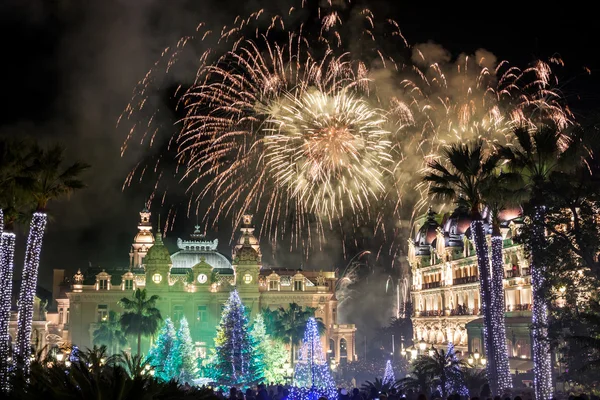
445, 286
194, 282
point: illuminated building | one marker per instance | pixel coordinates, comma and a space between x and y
445, 286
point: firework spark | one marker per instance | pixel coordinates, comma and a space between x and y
314, 126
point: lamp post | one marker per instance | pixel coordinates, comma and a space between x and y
414, 352
422, 345
432, 351
475, 360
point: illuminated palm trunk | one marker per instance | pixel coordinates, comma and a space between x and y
483, 264
542, 365
7, 254
499, 332
28, 286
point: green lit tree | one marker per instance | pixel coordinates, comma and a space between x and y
141, 317
235, 360
272, 350
162, 355
184, 354
109, 333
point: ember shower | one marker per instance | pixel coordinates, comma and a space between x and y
322, 119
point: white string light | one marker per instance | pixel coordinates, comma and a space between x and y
542, 365
6, 273
483, 264
28, 287
499, 333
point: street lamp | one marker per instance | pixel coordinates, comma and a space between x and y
403, 352
470, 359
432, 351
413, 352
476, 355
59, 357
422, 345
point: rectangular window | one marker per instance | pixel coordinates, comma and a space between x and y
60, 315
298, 286
177, 313
129, 284
102, 312
201, 350
68, 315
103, 284
273, 285
202, 315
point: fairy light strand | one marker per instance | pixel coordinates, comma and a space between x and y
542, 365
481, 249
6, 273
499, 333
28, 287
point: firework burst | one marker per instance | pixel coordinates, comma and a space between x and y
306, 121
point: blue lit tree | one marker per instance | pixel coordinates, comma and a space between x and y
235, 359
311, 374
162, 352
388, 375
184, 354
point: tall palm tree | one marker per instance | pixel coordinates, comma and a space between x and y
141, 317
467, 178
289, 324
109, 333
443, 367
535, 157
15, 182
52, 180
474, 379
419, 380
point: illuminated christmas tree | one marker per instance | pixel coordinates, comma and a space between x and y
184, 356
388, 375
311, 375
236, 360
274, 353
161, 354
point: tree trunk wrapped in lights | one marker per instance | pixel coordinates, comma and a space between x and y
542, 364
28, 287
499, 332
485, 286
6, 273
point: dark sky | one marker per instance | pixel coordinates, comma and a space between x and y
69, 67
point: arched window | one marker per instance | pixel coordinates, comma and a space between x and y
331, 348
343, 348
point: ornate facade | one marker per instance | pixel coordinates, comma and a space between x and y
195, 282
445, 287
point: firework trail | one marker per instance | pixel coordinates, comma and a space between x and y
314, 125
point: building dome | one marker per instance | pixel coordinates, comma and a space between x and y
158, 252
426, 234
196, 249
144, 237
456, 226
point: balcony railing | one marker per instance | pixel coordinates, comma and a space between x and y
432, 285
465, 280
462, 310
431, 313
518, 307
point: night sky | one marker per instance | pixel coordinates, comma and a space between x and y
69, 68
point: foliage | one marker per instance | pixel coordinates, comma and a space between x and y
273, 352
162, 355
474, 379
443, 368
235, 360
89, 378
109, 333
288, 325
184, 354
379, 386
141, 317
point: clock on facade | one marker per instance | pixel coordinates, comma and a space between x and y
202, 278
157, 278
247, 278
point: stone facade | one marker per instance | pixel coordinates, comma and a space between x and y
445, 287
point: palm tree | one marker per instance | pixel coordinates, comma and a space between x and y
141, 317
467, 179
109, 333
474, 379
288, 325
536, 156
15, 182
52, 180
419, 380
443, 367
379, 386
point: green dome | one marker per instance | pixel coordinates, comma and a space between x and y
158, 252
